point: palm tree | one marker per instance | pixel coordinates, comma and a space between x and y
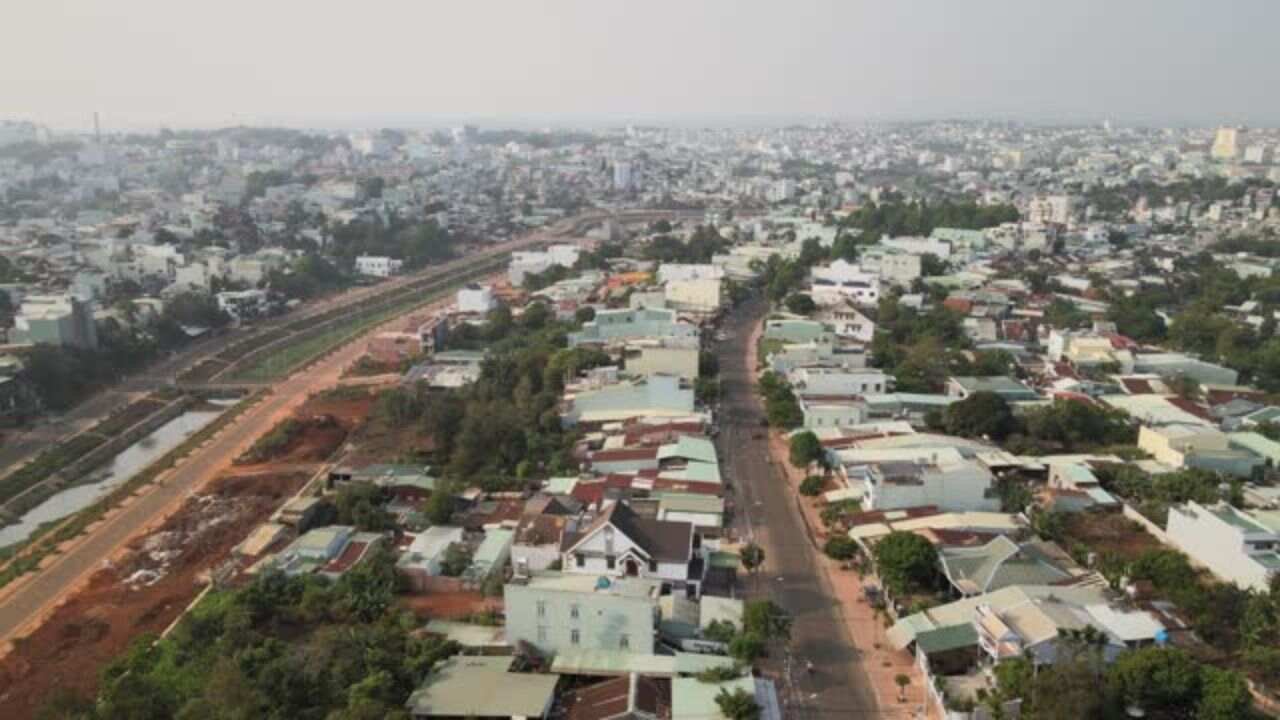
902, 680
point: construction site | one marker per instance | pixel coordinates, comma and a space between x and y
146, 585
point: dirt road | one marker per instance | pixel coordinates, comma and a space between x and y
26, 603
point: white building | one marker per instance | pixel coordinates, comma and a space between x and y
378, 265
533, 263
963, 485
1237, 546
623, 176
620, 543
243, 305
919, 245
559, 612
1227, 143
678, 272
843, 280
1049, 209
701, 296
475, 298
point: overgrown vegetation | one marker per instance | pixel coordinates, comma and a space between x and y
297, 647
506, 426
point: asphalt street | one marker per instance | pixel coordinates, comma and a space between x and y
765, 509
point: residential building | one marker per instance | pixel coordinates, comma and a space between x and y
378, 265
244, 305
626, 325
475, 298
1002, 562
646, 359
559, 611
425, 555
63, 320
657, 396
483, 688
619, 543
953, 485
1007, 388
1237, 546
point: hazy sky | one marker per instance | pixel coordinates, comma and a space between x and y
342, 62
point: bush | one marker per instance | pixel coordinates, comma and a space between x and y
840, 547
812, 485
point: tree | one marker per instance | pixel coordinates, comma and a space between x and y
906, 562
766, 619
800, 304
360, 504
840, 547
1224, 695
747, 647
982, 414
1159, 680
752, 557
812, 485
737, 705
902, 680
439, 507
457, 558
806, 449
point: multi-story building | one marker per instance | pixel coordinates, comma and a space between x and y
378, 265
561, 611
1237, 546
476, 298
618, 543
55, 320
1227, 143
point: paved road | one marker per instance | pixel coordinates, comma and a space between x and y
766, 510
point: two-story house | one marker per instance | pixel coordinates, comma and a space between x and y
620, 543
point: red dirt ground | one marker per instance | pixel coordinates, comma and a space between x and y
152, 582
449, 606
125, 600
1110, 533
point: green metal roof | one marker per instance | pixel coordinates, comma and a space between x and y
947, 638
692, 699
690, 448
465, 687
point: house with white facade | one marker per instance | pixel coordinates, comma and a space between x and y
565, 611
618, 543
843, 280
947, 483
1237, 546
378, 265
476, 298
243, 305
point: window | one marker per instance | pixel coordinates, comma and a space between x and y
574, 637
624, 642
580, 560
653, 566
542, 608
610, 561
542, 633
573, 611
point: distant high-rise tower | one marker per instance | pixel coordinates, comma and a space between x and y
97, 129
623, 176
1227, 143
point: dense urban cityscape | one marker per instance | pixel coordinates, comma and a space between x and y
965, 419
